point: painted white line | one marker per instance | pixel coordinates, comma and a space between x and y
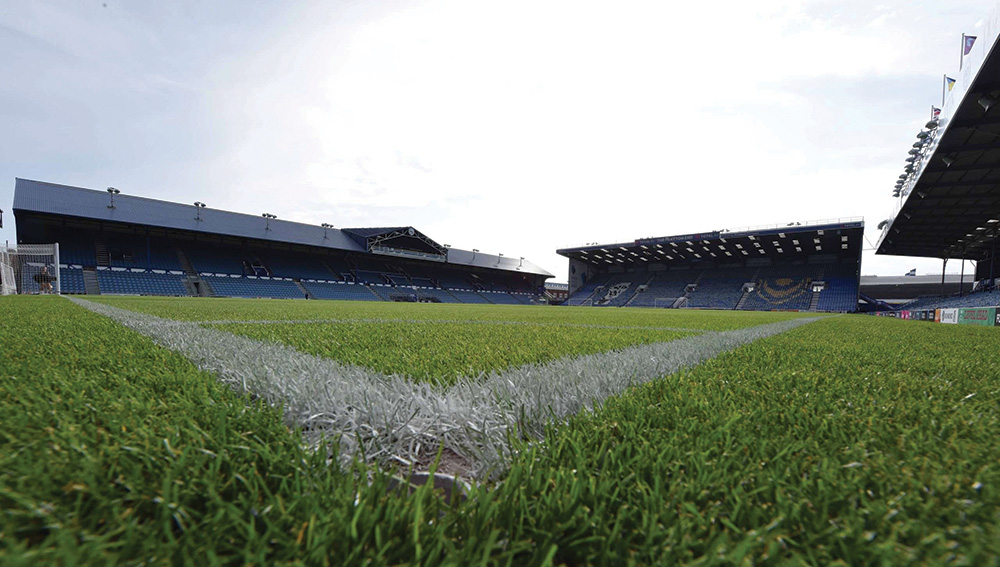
388, 418
435, 322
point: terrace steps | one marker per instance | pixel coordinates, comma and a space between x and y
635, 293
193, 283
101, 251
302, 288
90, 284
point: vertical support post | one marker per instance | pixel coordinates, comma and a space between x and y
961, 278
993, 256
961, 53
943, 265
58, 271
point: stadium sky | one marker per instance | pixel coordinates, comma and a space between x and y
511, 127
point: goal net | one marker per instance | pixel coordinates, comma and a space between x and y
29, 268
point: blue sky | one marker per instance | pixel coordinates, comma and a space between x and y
513, 127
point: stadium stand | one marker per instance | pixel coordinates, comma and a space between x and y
467, 296
989, 298
435, 295
841, 290
720, 289
340, 290
72, 280
787, 287
149, 247
663, 287
136, 282
810, 266
253, 286
587, 291
77, 252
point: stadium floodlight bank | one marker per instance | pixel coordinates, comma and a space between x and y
30, 269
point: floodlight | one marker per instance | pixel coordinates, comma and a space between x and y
948, 160
931, 124
198, 206
986, 101
883, 224
923, 134
267, 220
913, 152
326, 226
911, 159
112, 191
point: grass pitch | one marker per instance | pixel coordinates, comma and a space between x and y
850, 440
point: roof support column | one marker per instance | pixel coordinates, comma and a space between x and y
993, 256
944, 263
961, 277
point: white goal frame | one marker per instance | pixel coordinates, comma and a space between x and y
20, 267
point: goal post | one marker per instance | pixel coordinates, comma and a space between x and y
30, 269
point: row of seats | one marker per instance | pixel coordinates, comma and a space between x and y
253, 287
139, 283
141, 252
975, 299
781, 287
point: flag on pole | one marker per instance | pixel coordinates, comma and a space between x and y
935, 112
950, 82
912, 272
970, 40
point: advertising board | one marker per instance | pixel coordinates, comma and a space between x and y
949, 316
985, 316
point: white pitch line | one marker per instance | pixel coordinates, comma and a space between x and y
392, 418
437, 321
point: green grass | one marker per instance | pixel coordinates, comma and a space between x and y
440, 352
849, 441
232, 309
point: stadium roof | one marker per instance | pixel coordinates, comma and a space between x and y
793, 242
949, 203
38, 198
400, 237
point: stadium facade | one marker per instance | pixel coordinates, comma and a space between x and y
123, 244
812, 266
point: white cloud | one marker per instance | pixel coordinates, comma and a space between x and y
517, 127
